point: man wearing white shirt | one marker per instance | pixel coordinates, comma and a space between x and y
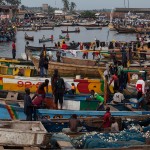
140, 87
118, 97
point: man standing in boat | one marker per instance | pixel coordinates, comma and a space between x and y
107, 118
14, 49
64, 46
41, 65
40, 94
58, 88
28, 106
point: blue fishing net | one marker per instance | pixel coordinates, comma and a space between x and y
128, 137
58, 137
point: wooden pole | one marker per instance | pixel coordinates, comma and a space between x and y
105, 90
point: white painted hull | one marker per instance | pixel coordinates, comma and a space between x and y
22, 133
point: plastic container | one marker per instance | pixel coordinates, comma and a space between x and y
78, 76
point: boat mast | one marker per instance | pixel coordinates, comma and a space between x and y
124, 3
128, 3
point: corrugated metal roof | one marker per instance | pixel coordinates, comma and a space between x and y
8, 7
132, 9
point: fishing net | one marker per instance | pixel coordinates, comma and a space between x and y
59, 137
129, 137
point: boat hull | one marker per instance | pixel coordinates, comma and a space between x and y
71, 70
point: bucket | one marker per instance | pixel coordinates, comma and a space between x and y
78, 76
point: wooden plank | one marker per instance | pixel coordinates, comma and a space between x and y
133, 109
65, 145
112, 108
11, 147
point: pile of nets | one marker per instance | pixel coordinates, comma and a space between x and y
125, 138
58, 137
128, 137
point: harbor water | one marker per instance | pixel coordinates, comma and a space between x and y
83, 36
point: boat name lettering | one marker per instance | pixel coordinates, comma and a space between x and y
27, 84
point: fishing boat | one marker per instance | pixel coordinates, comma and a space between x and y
125, 29
93, 28
19, 132
45, 40
91, 123
46, 28
64, 37
30, 38
89, 24
26, 29
70, 70
68, 113
78, 61
70, 46
71, 31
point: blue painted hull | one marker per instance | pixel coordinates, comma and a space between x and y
67, 113
4, 114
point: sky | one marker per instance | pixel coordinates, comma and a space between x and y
90, 4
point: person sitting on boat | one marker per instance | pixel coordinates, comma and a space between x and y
58, 56
147, 97
73, 88
107, 119
114, 125
95, 96
52, 37
81, 46
40, 94
74, 125
64, 46
77, 29
28, 106
67, 36
43, 38
97, 58
118, 97
116, 82
25, 34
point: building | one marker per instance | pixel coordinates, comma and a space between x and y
8, 11
45, 7
133, 10
59, 14
120, 12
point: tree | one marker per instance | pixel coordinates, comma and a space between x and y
72, 6
66, 5
23, 7
10, 2
88, 14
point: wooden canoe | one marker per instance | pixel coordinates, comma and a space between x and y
26, 29
63, 37
70, 70
125, 29
93, 28
45, 40
30, 38
46, 28
71, 31
79, 61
